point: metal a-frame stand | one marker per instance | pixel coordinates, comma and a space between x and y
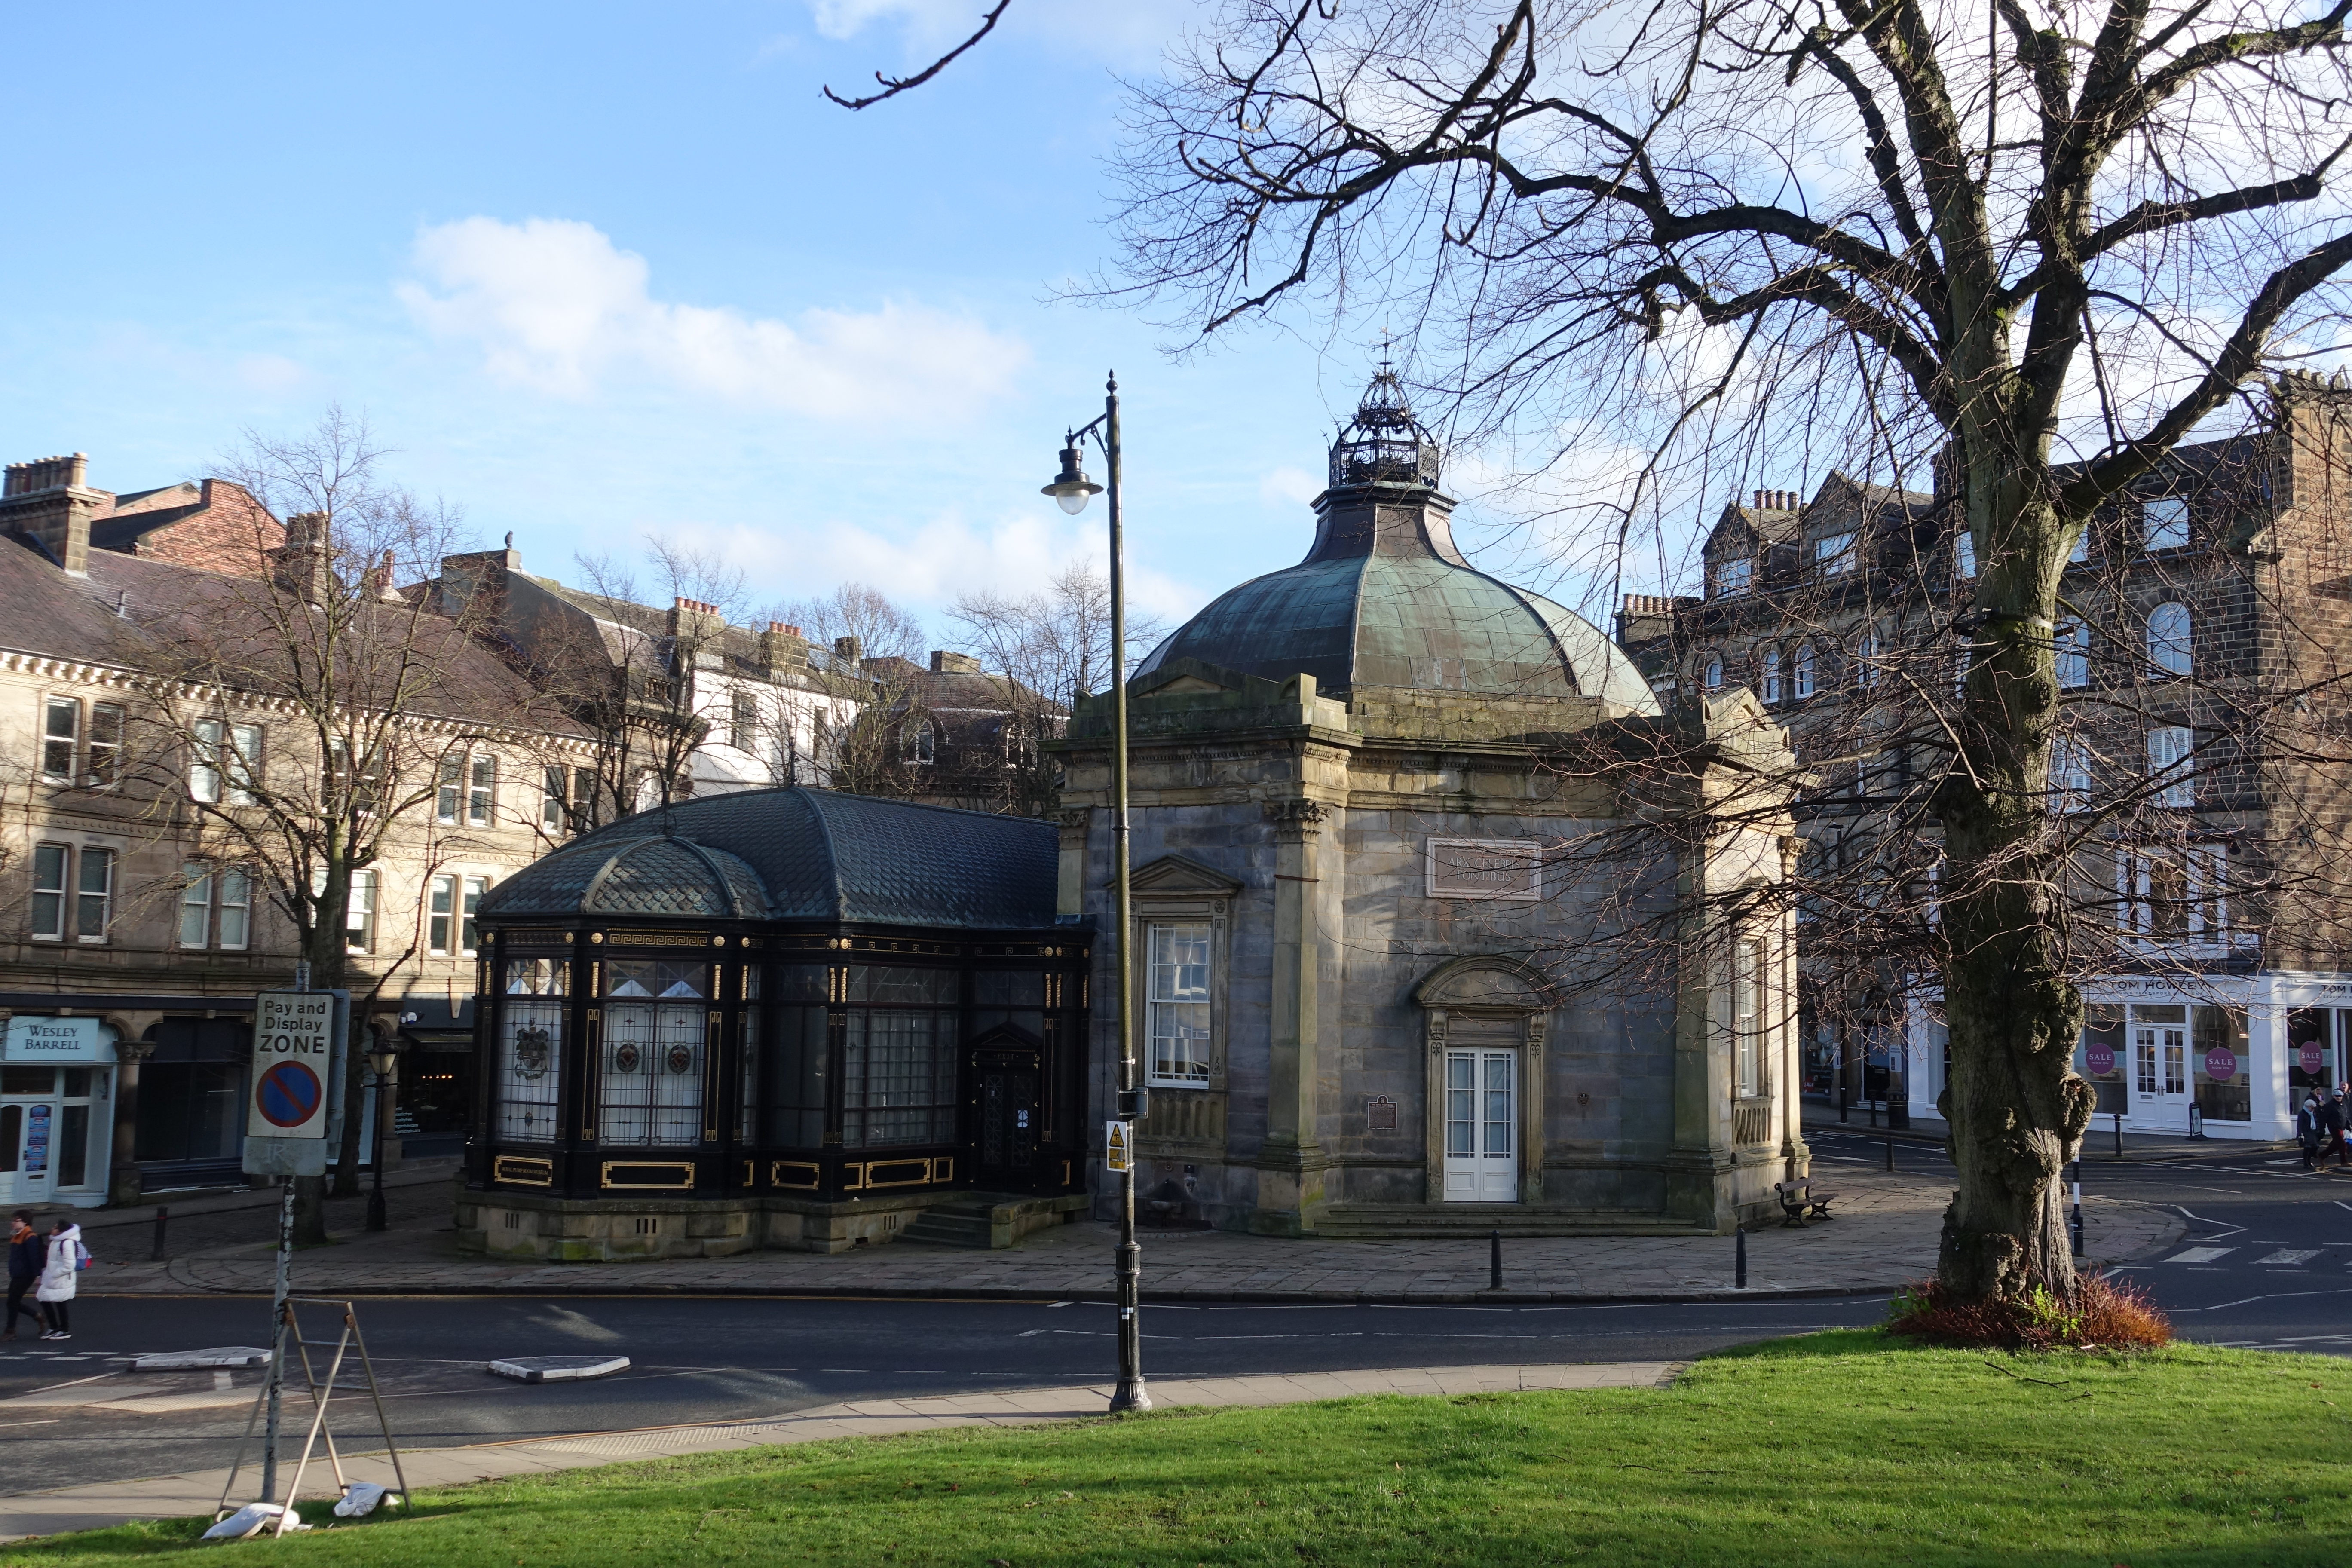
290, 1331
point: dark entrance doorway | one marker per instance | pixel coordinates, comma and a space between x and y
1008, 1080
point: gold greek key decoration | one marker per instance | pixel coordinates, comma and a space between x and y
799, 1173
519, 1171
896, 1173
895, 944
649, 1176
649, 938
535, 936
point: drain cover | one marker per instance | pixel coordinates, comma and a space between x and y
559, 1368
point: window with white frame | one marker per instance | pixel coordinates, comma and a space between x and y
470, 906
364, 787
2070, 773
1771, 675
1733, 577
60, 739
51, 864
1711, 676
2175, 894
2164, 523
1835, 554
481, 785
94, 895
107, 723
2209, 893
1748, 1017
441, 912
467, 790
567, 799
1865, 659
2168, 638
215, 903
1964, 554
743, 722
2072, 642
922, 744
359, 915
2173, 764
1177, 997
1800, 685
449, 790
205, 761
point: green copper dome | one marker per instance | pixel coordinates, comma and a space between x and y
1384, 598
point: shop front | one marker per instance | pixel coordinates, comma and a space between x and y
57, 1097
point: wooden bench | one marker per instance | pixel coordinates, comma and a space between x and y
1800, 1202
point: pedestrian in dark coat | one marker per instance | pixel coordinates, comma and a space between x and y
2332, 1122
26, 1254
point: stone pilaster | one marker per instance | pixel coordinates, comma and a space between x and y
1291, 1162
123, 1185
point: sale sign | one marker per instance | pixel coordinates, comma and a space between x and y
2220, 1063
2310, 1057
2100, 1058
293, 1051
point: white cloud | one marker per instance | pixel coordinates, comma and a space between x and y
923, 19
1289, 484
553, 305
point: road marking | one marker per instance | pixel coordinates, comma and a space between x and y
2200, 1219
2201, 1254
2288, 1256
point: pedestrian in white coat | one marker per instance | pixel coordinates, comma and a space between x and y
58, 1277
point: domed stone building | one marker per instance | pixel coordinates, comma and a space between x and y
1366, 794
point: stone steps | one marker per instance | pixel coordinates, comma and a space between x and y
988, 1221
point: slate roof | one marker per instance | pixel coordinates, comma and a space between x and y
184, 620
799, 854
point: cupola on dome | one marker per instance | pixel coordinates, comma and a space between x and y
1384, 598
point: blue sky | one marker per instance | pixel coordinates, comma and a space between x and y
602, 271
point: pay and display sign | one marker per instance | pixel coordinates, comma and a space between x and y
293, 1058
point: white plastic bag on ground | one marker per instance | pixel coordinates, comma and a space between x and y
359, 1500
248, 1521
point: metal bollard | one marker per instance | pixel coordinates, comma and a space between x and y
1841, 1102
156, 1254
2078, 1207
1739, 1277
1890, 1153
1494, 1260
2119, 1134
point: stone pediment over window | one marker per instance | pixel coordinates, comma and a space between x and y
1181, 677
1486, 980
1175, 874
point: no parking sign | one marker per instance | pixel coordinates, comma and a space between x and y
297, 1040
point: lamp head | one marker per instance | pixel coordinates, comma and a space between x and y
1071, 489
384, 1056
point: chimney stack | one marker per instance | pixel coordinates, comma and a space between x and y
303, 565
50, 502
849, 651
782, 647
691, 620
946, 663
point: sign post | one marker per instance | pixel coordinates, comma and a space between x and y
298, 1056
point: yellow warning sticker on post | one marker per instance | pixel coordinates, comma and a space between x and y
1115, 1147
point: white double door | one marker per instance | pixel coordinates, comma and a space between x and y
2160, 1101
1482, 1126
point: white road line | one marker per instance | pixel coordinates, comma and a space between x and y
2288, 1256
2201, 1254
2200, 1219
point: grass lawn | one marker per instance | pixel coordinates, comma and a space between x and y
1843, 1447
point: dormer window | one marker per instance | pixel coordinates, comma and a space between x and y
2164, 523
1733, 577
1835, 555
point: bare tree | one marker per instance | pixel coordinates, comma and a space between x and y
311, 713
2032, 248
874, 698
1043, 651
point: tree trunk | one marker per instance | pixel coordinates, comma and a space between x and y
2016, 1109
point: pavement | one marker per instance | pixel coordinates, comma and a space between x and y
1884, 1236
2104, 1144
198, 1492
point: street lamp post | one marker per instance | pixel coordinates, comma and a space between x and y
1071, 489
384, 1057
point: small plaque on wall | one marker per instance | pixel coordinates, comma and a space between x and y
1379, 1113
1485, 869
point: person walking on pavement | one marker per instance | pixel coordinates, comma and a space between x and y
58, 1272
25, 1255
2333, 1117
2307, 1126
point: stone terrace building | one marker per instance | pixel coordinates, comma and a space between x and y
1354, 889
2197, 665
132, 945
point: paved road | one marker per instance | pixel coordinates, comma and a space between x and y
2269, 1263
715, 1359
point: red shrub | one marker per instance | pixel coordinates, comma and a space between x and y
2106, 1314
